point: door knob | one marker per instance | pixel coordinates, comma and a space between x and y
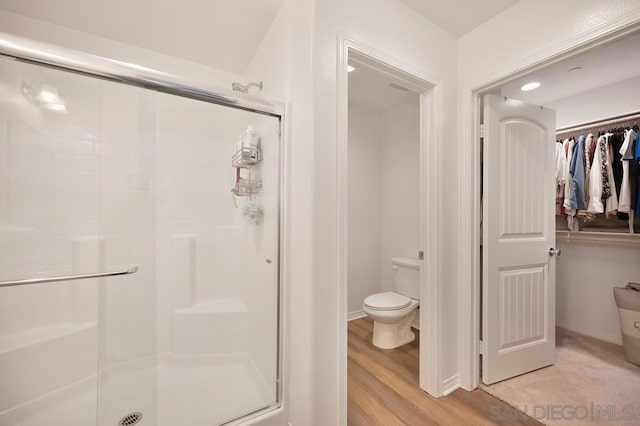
554, 252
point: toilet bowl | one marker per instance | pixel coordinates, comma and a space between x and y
393, 315
394, 312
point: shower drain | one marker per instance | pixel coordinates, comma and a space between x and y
130, 419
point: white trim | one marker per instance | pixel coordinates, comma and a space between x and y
431, 284
469, 270
469, 175
431, 136
355, 315
449, 385
286, 204
342, 137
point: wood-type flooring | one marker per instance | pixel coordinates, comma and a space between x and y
383, 390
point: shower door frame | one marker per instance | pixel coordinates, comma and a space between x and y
51, 56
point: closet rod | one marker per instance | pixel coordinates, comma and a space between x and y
592, 124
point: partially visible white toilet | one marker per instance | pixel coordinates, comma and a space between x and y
394, 312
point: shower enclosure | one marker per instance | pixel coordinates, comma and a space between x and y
135, 288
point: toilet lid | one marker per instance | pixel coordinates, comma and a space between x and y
387, 301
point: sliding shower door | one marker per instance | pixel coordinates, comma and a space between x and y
49, 227
160, 196
217, 263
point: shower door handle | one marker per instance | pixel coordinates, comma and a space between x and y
131, 270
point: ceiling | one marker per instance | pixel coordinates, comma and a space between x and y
459, 16
600, 66
223, 34
370, 89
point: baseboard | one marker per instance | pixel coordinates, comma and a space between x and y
597, 334
355, 315
451, 384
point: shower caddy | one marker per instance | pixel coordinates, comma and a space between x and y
246, 156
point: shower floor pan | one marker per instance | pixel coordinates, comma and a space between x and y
185, 390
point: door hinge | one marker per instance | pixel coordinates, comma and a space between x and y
421, 255
480, 348
482, 130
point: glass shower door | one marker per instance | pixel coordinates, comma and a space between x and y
49, 227
97, 176
217, 261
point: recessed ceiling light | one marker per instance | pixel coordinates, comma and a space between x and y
530, 86
350, 68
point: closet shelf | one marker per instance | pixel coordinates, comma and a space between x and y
597, 237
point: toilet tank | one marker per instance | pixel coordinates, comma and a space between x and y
406, 276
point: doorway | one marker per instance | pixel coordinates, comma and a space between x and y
427, 95
470, 111
587, 101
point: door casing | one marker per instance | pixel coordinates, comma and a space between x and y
431, 135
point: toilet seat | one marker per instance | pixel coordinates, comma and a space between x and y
387, 301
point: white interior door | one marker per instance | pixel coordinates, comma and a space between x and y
518, 305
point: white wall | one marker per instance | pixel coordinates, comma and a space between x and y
400, 185
598, 104
384, 180
397, 30
284, 62
585, 275
64, 37
365, 203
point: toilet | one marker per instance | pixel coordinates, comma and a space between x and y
395, 312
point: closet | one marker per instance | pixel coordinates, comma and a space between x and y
601, 247
597, 170
593, 96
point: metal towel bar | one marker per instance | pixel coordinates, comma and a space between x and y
132, 270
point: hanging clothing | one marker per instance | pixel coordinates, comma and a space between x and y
569, 210
637, 165
569, 144
561, 161
588, 158
563, 190
615, 142
595, 180
627, 149
626, 154
577, 175
611, 203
